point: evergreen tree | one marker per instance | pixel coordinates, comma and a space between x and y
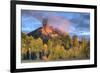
75, 41
84, 48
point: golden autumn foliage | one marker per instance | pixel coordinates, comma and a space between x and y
62, 48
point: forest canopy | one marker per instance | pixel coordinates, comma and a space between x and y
59, 48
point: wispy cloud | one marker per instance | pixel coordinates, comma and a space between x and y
72, 22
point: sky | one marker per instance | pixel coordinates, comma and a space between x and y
75, 23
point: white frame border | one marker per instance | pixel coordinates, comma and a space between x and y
20, 65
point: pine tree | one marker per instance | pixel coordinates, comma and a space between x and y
84, 48
75, 41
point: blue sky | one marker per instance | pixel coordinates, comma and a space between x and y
74, 23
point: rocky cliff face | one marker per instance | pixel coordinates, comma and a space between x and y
46, 32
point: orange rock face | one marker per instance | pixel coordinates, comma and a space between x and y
46, 30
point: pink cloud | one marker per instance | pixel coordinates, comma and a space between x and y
59, 22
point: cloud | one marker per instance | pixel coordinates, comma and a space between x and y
59, 22
39, 15
29, 23
72, 22
81, 20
